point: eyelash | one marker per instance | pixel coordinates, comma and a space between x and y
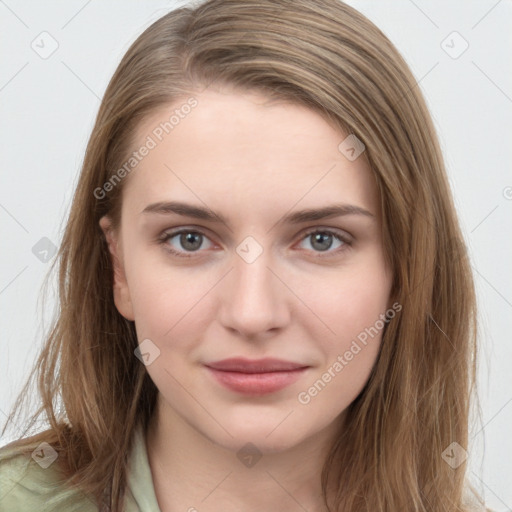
169, 235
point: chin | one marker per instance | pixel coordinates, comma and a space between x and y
247, 441
267, 436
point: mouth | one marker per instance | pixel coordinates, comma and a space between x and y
255, 377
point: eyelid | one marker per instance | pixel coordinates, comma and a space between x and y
171, 233
344, 235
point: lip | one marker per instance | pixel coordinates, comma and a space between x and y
256, 377
266, 365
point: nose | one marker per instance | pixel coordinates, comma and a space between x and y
254, 300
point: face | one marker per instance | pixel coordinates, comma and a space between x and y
236, 272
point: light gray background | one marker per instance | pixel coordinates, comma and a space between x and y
47, 109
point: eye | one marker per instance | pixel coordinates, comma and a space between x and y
187, 240
322, 240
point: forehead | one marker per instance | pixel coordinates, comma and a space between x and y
242, 150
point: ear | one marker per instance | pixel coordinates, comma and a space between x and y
122, 298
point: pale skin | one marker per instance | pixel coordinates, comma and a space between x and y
253, 163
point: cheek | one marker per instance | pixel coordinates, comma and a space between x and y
162, 305
355, 315
350, 299
352, 305
169, 304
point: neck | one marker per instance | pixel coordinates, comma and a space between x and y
193, 473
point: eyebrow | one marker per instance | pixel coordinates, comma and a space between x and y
297, 217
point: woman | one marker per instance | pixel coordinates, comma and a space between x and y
266, 302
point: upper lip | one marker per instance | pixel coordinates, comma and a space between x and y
242, 365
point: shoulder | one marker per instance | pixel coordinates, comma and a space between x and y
32, 481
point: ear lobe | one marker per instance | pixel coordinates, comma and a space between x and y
121, 290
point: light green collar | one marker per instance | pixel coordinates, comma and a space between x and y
140, 495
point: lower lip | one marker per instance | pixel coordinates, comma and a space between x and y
256, 383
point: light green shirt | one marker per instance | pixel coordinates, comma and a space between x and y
25, 485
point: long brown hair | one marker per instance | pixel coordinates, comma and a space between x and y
327, 56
